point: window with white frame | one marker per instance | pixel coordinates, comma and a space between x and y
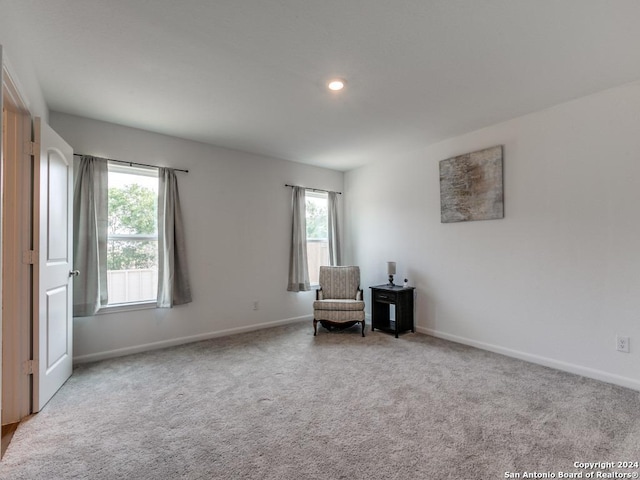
132, 242
317, 212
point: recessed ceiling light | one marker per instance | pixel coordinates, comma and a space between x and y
336, 84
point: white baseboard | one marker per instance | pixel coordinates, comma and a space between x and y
120, 352
547, 362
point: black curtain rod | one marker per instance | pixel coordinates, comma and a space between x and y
130, 163
312, 189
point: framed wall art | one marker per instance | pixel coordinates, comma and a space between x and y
471, 186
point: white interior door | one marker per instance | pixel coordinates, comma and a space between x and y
53, 321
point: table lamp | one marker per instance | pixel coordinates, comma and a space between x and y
391, 270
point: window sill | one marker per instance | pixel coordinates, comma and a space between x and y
126, 307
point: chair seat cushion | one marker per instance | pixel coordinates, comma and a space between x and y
338, 304
339, 316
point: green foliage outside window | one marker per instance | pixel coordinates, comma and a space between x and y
317, 225
132, 211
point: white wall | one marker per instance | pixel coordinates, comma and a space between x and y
557, 278
237, 216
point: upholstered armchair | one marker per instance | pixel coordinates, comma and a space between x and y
339, 300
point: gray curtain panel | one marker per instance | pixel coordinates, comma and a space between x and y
90, 223
173, 274
298, 267
335, 256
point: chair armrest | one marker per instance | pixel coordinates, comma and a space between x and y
319, 295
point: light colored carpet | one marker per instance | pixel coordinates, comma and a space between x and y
281, 404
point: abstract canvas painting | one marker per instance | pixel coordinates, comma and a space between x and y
471, 186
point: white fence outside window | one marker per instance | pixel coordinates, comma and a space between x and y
317, 255
126, 286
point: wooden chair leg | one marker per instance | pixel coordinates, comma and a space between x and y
315, 327
363, 328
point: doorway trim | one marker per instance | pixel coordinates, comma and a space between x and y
16, 244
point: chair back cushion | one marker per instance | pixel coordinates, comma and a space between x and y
340, 282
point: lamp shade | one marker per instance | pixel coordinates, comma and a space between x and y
391, 268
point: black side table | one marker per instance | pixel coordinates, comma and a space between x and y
402, 297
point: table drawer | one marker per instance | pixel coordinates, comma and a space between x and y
384, 297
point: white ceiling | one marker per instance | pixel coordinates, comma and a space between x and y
251, 74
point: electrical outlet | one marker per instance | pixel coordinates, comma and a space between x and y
622, 344
256, 305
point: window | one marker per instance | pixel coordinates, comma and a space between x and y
132, 242
317, 233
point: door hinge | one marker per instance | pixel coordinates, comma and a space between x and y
31, 148
29, 367
29, 257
